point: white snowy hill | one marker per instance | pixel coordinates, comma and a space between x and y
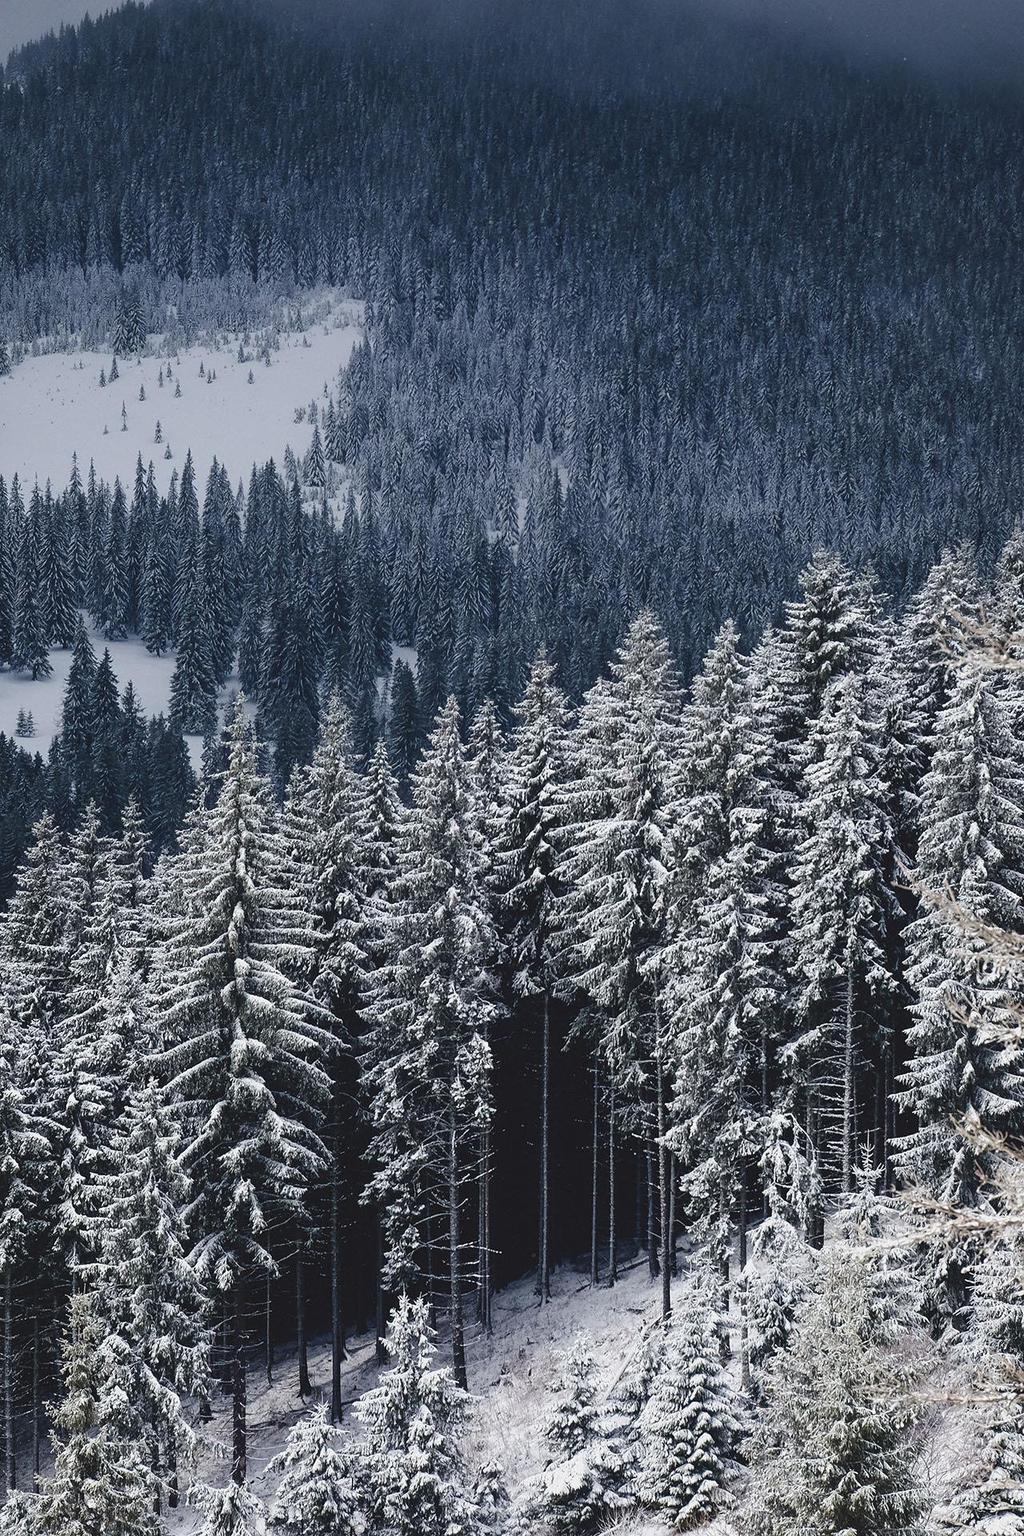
211, 403
53, 405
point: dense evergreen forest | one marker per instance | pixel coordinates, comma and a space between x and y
608, 843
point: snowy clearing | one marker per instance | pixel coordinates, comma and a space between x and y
43, 697
53, 406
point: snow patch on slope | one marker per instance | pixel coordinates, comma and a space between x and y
53, 406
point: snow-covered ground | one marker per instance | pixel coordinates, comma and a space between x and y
53, 406
44, 697
510, 1375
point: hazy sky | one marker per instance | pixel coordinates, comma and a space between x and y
23, 20
951, 36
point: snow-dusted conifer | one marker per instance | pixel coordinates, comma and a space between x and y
316, 1493
526, 877
688, 1430
416, 1482
243, 1057
970, 853
428, 1005
843, 911
836, 1450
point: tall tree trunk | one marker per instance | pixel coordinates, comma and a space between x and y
238, 1385
302, 1345
336, 1324
379, 1295
673, 1180
741, 1217
594, 1265
9, 1445
454, 1247
483, 1306
36, 1448
652, 1206
268, 1345
848, 1089
666, 1239
172, 1474
613, 1267
725, 1340
543, 1287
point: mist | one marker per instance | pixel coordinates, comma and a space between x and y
957, 39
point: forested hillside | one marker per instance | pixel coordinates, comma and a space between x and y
606, 848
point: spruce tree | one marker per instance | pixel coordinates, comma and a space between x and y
316, 1492
970, 857
525, 873
244, 1055
688, 1430
429, 1065
414, 1474
836, 1450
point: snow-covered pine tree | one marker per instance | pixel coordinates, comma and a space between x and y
929, 641
613, 922
689, 1429
724, 993
525, 875
231, 1511
33, 939
584, 1484
428, 1063
243, 1056
415, 1479
574, 1418
27, 1140
148, 1293
990, 1498
317, 1494
325, 828
837, 1447
100, 1484
843, 910
971, 853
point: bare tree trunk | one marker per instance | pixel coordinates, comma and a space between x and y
336, 1326
725, 1340
613, 1267
652, 1206
268, 1346
484, 1236
848, 1089
454, 1246
172, 1474
36, 1448
301, 1342
543, 1287
594, 1265
673, 1179
238, 1386
9, 1445
744, 1331
666, 1241
381, 1320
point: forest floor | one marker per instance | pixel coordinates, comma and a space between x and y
510, 1376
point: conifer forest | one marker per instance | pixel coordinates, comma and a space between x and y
511, 770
